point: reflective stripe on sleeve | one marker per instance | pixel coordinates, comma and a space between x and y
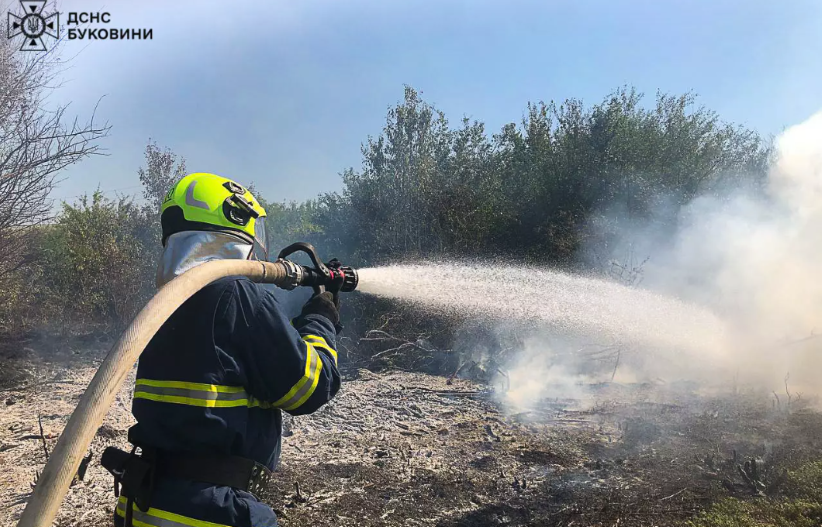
303, 389
158, 518
320, 342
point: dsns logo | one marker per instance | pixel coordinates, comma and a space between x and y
31, 25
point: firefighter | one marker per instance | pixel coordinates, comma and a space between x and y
213, 382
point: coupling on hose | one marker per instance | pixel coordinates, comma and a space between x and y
293, 275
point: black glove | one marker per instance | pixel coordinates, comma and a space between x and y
323, 304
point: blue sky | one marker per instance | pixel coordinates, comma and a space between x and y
283, 92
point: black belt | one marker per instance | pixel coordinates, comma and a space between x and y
137, 473
225, 471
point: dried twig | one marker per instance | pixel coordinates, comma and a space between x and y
298, 497
397, 349
405, 345
616, 364
43, 436
377, 335
388, 319
505, 376
787, 376
442, 392
673, 495
453, 375
812, 336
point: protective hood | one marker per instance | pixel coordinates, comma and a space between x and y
188, 249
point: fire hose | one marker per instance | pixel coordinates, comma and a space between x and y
73, 444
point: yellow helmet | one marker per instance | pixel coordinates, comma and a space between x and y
208, 202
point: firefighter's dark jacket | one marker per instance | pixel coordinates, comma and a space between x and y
214, 380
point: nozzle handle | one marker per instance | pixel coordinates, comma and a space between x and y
309, 249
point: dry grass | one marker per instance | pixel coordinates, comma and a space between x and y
400, 448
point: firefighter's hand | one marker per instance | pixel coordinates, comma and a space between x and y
323, 304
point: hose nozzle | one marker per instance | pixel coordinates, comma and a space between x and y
343, 273
332, 276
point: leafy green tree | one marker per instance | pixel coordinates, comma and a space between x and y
530, 191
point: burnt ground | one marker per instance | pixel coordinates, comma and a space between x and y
400, 448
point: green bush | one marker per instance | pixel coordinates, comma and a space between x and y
18, 307
801, 506
806, 482
98, 261
761, 512
529, 192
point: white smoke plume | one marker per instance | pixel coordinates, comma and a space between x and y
756, 262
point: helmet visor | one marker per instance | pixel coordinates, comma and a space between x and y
260, 249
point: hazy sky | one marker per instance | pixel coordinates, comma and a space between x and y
283, 92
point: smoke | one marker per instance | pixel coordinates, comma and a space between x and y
754, 259
529, 378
